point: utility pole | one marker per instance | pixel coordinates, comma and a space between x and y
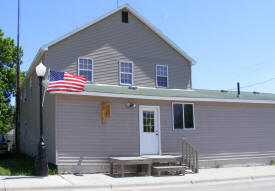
17, 114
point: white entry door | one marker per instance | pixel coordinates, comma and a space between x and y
149, 126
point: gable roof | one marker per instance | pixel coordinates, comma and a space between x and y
44, 48
143, 20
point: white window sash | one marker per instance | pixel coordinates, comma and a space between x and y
183, 118
89, 70
161, 76
131, 73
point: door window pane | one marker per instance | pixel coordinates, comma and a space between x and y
148, 121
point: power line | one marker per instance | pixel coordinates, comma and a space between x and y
258, 83
255, 84
247, 69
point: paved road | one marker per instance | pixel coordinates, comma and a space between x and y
248, 185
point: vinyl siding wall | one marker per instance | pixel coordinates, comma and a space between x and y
30, 121
110, 41
29, 113
223, 131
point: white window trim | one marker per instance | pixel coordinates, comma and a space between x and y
194, 120
163, 76
125, 84
86, 69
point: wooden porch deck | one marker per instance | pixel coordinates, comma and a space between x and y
148, 160
164, 158
174, 163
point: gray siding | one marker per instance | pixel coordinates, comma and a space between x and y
223, 131
109, 41
82, 139
227, 129
29, 119
29, 135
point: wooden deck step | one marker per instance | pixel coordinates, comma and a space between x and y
160, 169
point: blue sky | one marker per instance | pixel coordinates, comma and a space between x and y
231, 40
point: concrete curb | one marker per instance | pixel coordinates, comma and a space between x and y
191, 181
111, 186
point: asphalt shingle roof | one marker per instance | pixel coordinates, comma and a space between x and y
194, 93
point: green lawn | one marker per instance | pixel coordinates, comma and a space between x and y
19, 164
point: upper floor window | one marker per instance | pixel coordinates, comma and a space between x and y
85, 68
183, 116
162, 76
126, 73
124, 16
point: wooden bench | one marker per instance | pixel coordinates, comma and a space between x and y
160, 169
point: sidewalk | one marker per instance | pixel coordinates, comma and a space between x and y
96, 181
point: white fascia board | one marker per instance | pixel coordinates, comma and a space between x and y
111, 95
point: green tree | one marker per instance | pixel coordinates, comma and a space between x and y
8, 53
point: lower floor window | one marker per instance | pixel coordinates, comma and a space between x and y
183, 116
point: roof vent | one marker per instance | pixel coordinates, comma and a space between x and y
256, 92
238, 89
132, 87
224, 91
124, 16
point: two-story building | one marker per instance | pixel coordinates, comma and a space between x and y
144, 81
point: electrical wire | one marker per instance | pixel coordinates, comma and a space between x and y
258, 83
254, 84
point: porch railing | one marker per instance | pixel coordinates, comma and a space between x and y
190, 156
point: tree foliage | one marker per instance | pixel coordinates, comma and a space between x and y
8, 53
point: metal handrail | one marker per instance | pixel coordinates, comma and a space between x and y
190, 156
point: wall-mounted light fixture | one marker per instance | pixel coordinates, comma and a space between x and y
131, 105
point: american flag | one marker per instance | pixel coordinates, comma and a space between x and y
64, 81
